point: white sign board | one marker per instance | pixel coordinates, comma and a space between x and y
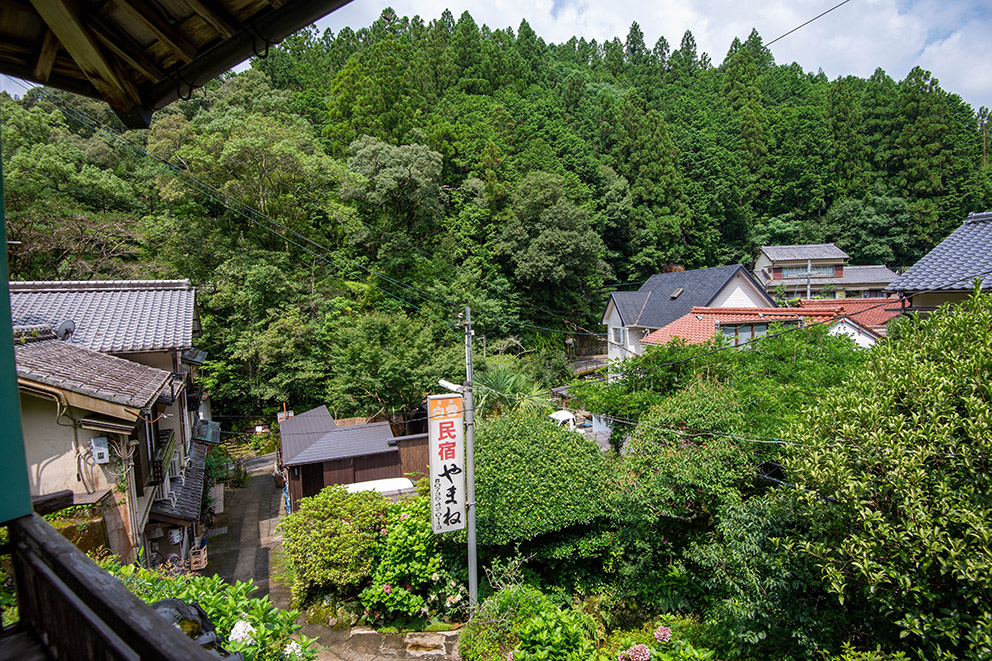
446, 433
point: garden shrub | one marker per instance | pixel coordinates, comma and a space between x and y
533, 477
555, 635
331, 540
675, 639
767, 601
229, 608
900, 487
494, 629
411, 577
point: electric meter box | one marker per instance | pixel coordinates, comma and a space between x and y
101, 452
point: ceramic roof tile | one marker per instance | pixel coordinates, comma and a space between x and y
43, 358
872, 313
652, 306
803, 251
186, 489
955, 262
873, 274
113, 316
701, 323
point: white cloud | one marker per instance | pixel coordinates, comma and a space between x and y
945, 37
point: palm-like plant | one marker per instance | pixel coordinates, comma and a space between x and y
500, 389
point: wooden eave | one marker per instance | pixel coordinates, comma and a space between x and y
85, 402
141, 55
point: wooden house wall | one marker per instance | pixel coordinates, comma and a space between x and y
308, 479
377, 467
414, 456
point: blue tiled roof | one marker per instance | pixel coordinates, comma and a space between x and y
652, 306
955, 262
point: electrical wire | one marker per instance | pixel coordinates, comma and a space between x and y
241, 209
252, 215
806, 23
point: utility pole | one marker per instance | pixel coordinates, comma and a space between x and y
809, 274
473, 565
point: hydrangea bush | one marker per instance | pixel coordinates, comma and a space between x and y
411, 578
254, 627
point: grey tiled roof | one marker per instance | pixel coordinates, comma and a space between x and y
875, 274
652, 306
803, 251
43, 358
343, 442
299, 432
956, 260
187, 489
113, 316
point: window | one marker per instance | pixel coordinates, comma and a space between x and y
743, 333
618, 335
815, 271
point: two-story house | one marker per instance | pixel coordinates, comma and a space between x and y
631, 316
152, 450
818, 269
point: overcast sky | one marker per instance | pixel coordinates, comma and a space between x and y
950, 38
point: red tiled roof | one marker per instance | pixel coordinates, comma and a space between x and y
700, 325
872, 313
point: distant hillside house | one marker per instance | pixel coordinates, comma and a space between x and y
631, 316
947, 274
316, 451
818, 269
738, 326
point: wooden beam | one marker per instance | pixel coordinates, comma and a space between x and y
125, 48
52, 502
152, 19
214, 16
62, 17
46, 56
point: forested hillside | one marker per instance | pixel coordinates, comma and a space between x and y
339, 200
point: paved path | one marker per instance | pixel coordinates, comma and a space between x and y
244, 551
251, 515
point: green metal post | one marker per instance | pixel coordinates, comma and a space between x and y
16, 501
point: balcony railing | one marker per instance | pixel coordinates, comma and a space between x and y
75, 610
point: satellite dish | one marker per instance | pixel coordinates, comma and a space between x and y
64, 331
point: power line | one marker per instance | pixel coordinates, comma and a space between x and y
239, 208
806, 23
251, 214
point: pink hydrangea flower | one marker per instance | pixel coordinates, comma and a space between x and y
635, 653
404, 516
509, 656
663, 634
387, 588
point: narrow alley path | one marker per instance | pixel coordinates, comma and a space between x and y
240, 547
241, 540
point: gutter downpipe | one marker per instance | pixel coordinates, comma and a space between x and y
61, 408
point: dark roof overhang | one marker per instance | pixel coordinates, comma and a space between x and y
131, 54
